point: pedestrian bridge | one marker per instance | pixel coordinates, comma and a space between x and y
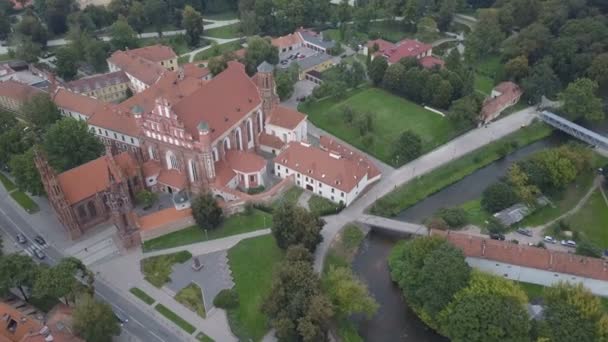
575, 130
392, 225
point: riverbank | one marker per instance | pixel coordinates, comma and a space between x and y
414, 191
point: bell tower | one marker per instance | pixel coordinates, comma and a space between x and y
267, 87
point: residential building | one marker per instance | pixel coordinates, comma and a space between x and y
318, 62
332, 171
303, 38
314, 76
99, 191
503, 96
14, 94
288, 42
283, 126
110, 87
407, 48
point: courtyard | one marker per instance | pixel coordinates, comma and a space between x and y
392, 115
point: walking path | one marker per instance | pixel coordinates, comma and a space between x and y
219, 41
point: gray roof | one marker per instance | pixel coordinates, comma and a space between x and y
513, 214
309, 38
311, 61
265, 67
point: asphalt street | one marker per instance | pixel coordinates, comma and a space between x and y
140, 325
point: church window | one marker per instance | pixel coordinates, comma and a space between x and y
91, 208
216, 156
249, 130
172, 160
81, 212
193, 171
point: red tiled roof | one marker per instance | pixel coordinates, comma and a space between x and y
271, 141
193, 70
527, 256
223, 173
329, 144
338, 172
75, 102
430, 62
153, 53
90, 178
509, 92
151, 168
144, 70
285, 117
245, 162
94, 82
405, 48
221, 103
382, 44
114, 118
18, 91
287, 40
172, 178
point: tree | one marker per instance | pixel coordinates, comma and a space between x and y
122, 35
572, 313
377, 69
464, 112
70, 143
393, 77
94, 321
495, 226
454, 61
31, 27
206, 211
156, 14
443, 95
25, 172
446, 14
517, 68
96, 53
296, 307
26, 49
14, 141
407, 147
580, 100
437, 223
598, 71
427, 27
17, 270
519, 180
559, 169
5, 26
258, 51
497, 197
60, 281
217, 64
56, 14
347, 293
192, 21
532, 42
541, 81
284, 84
485, 38
445, 272
67, 63
40, 112
146, 198
454, 217
137, 17
588, 248
294, 225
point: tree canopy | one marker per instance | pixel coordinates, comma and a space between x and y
94, 321
206, 211
69, 143
293, 225
580, 100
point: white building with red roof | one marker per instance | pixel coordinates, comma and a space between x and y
407, 48
332, 170
503, 96
283, 126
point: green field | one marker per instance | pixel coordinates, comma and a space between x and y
142, 295
392, 116
252, 262
157, 269
173, 317
25, 201
228, 15
322, 206
486, 71
475, 213
592, 220
8, 184
410, 193
483, 84
225, 32
235, 224
218, 50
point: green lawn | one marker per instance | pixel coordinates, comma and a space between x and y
322, 206
228, 15
232, 225
191, 297
173, 317
252, 262
203, 338
486, 72
483, 84
157, 269
592, 220
410, 193
475, 213
343, 247
5, 57
392, 116
25, 201
228, 31
290, 196
8, 184
177, 43
216, 51
142, 295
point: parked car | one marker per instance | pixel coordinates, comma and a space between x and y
21, 238
549, 239
497, 236
40, 240
122, 319
568, 243
39, 254
524, 231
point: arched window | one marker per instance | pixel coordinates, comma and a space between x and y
238, 138
91, 208
260, 121
172, 160
193, 171
151, 152
249, 130
216, 155
226, 144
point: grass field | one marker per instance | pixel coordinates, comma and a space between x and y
322, 206
475, 213
252, 262
157, 269
486, 72
228, 31
142, 295
343, 247
483, 84
25, 201
392, 116
592, 220
203, 338
216, 51
290, 196
228, 15
173, 317
191, 297
235, 224
410, 193
8, 184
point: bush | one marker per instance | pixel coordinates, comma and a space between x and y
454, 217
207, 213
146, 198
589, 249
495, 226
437, 223
497, 197
226, 299
256, 190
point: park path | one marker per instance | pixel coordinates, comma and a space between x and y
219, 41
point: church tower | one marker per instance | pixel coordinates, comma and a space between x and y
267, 87
56, 196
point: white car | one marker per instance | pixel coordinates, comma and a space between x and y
549, 239
568, 243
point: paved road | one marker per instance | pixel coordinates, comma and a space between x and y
140, 324
454, 149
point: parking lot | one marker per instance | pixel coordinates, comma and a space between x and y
286, 58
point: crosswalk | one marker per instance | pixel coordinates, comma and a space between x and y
35, 246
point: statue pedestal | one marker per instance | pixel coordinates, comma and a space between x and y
196, 264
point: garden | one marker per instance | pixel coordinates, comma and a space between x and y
391, 116
157, 269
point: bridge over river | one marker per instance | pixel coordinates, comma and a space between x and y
392, 225
575, 130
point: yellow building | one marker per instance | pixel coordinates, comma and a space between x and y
111, 87
317, 62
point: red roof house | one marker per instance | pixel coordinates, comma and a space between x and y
503, 96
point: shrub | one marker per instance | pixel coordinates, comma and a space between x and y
589, 249
497, 197
206, 211
495, 226
454, 217
146, 198
226, 299
256, 190
437, 223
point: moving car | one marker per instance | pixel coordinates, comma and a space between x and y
122, 319
497, 236
524, 231
40, 240
21, 238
